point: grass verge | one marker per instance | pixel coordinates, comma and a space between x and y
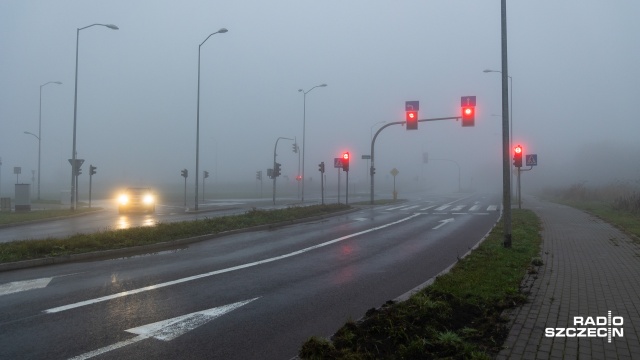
457, 317
7, 218
625, 220
116, 239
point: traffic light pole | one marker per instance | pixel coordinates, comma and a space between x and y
373, 142
274, 166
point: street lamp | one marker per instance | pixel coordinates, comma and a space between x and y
75, 114
510, 114
510, 102
37, 137
40, 131
304, 122
221, 31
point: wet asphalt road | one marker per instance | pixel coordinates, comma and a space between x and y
254, 295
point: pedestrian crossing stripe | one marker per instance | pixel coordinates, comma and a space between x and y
454, 210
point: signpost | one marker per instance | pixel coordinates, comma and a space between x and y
394, 172
337, 163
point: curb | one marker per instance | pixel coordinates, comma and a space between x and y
142, 249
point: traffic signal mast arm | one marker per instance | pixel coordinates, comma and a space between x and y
373, 142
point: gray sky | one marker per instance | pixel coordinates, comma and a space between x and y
574, 66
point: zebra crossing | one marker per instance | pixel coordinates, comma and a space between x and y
456, 209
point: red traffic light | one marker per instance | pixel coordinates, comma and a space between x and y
412, 120
468, 115
517, 156
345, 161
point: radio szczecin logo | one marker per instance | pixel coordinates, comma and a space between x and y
591, 327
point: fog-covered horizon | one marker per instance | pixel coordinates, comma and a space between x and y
573, 67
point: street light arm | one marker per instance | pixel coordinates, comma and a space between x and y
110, 26
30, 133
221, 31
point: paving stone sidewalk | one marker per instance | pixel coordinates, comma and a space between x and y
590, 268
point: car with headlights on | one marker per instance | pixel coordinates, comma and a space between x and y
136, 199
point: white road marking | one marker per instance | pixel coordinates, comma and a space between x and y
443, 223
18, 286
221, 271
167, 330
474, 208
492, 208
427, 208
458, 207
396, 207
441, 207
410, 207
360, 219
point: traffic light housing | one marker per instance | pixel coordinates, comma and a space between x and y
184, 173
517, 156
468, 115
321, 167
92, 170
295, 148
276, 170
412, 120
345, 161
259, 175
205, 174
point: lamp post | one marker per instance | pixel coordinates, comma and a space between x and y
304, 122
37, 137
221, 31
75, 114
510, 115
40, 131
510, 103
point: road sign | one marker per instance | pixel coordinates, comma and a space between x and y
366, 157
411, 105
532, 160
337, 163
468, 101
394, 172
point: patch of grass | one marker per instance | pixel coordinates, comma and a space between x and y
625, 220
457, 317
19, 217
162, 232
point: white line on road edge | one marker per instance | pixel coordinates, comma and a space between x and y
221, 271
167, 330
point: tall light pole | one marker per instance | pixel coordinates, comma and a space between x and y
221, 31
510, 104
510, 117
40, 131
37, 137
304, 124
75, 117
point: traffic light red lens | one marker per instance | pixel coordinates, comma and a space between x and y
467, 111
345, 156
518, 150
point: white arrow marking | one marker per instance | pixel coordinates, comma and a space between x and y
168, 330
17, 286
443, 223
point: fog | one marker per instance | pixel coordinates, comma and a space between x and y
573, 64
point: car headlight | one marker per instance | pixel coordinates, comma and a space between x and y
148, 199
124, 199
